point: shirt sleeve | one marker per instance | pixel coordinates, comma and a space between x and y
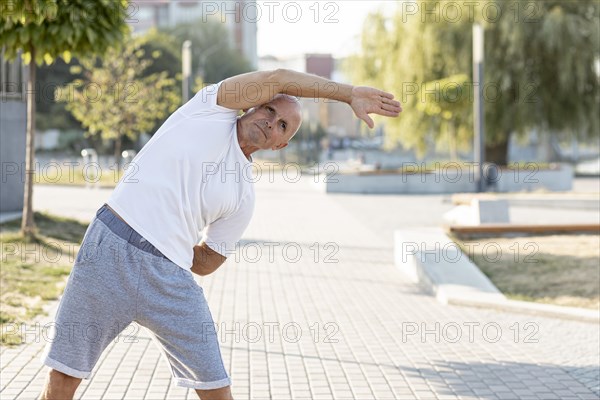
223, 234
204, 104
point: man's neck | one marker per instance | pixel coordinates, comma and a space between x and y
247, 149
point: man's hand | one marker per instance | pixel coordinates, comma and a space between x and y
367, 100
244, 91
206, 260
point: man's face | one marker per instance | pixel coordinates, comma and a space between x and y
272, 125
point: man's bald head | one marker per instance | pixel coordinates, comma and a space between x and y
287, 97
270, 125
287, 101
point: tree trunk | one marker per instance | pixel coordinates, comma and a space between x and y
452, 148
117, 154
27, 222
497, 153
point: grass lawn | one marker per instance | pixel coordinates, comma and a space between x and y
33, 273
560, 269
109, 177
78, 176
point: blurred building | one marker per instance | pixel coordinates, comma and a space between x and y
13, 132
320, 64
239, 16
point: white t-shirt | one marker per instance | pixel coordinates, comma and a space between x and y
190, 177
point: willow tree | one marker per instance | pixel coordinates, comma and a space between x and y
447, 107
544, 60
43, 30
401, 54
540, 67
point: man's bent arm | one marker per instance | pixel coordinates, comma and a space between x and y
245, 91
252, 89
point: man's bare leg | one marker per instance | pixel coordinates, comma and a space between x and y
59, 386
215, 394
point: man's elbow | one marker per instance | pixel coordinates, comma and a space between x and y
206, 268
202, 272
276, 73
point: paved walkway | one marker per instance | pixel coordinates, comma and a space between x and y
315, 309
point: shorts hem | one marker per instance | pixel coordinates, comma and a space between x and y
66, 369
188, 383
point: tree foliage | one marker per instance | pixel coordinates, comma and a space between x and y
117, 98
43, 30
159, 47
540, 67
446, 107
63, 28
164, 51
51, 114
213, 58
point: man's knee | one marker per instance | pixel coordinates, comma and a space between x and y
215, 394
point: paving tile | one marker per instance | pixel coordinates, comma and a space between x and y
367, 303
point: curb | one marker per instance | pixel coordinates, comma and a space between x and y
10, 216
78, 185
531, 308
428, 257
587, 201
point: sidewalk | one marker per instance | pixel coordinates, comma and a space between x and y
315, 309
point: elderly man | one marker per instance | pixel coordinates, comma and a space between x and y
180, 209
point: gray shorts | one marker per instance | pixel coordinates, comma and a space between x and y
117, 278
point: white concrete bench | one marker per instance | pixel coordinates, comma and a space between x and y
428, 257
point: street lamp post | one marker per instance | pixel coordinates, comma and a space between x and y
478, 111
186, 69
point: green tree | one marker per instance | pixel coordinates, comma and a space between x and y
446, 108
49, 113
53, 114
402, 54
116, 98
213, 58
162, 50
165, 52
540, 67
44, 30
543, 59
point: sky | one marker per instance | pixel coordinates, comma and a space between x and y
289, 28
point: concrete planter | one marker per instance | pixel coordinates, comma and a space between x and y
447, 180
395, 183
557, 178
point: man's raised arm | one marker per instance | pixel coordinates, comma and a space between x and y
245, 91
